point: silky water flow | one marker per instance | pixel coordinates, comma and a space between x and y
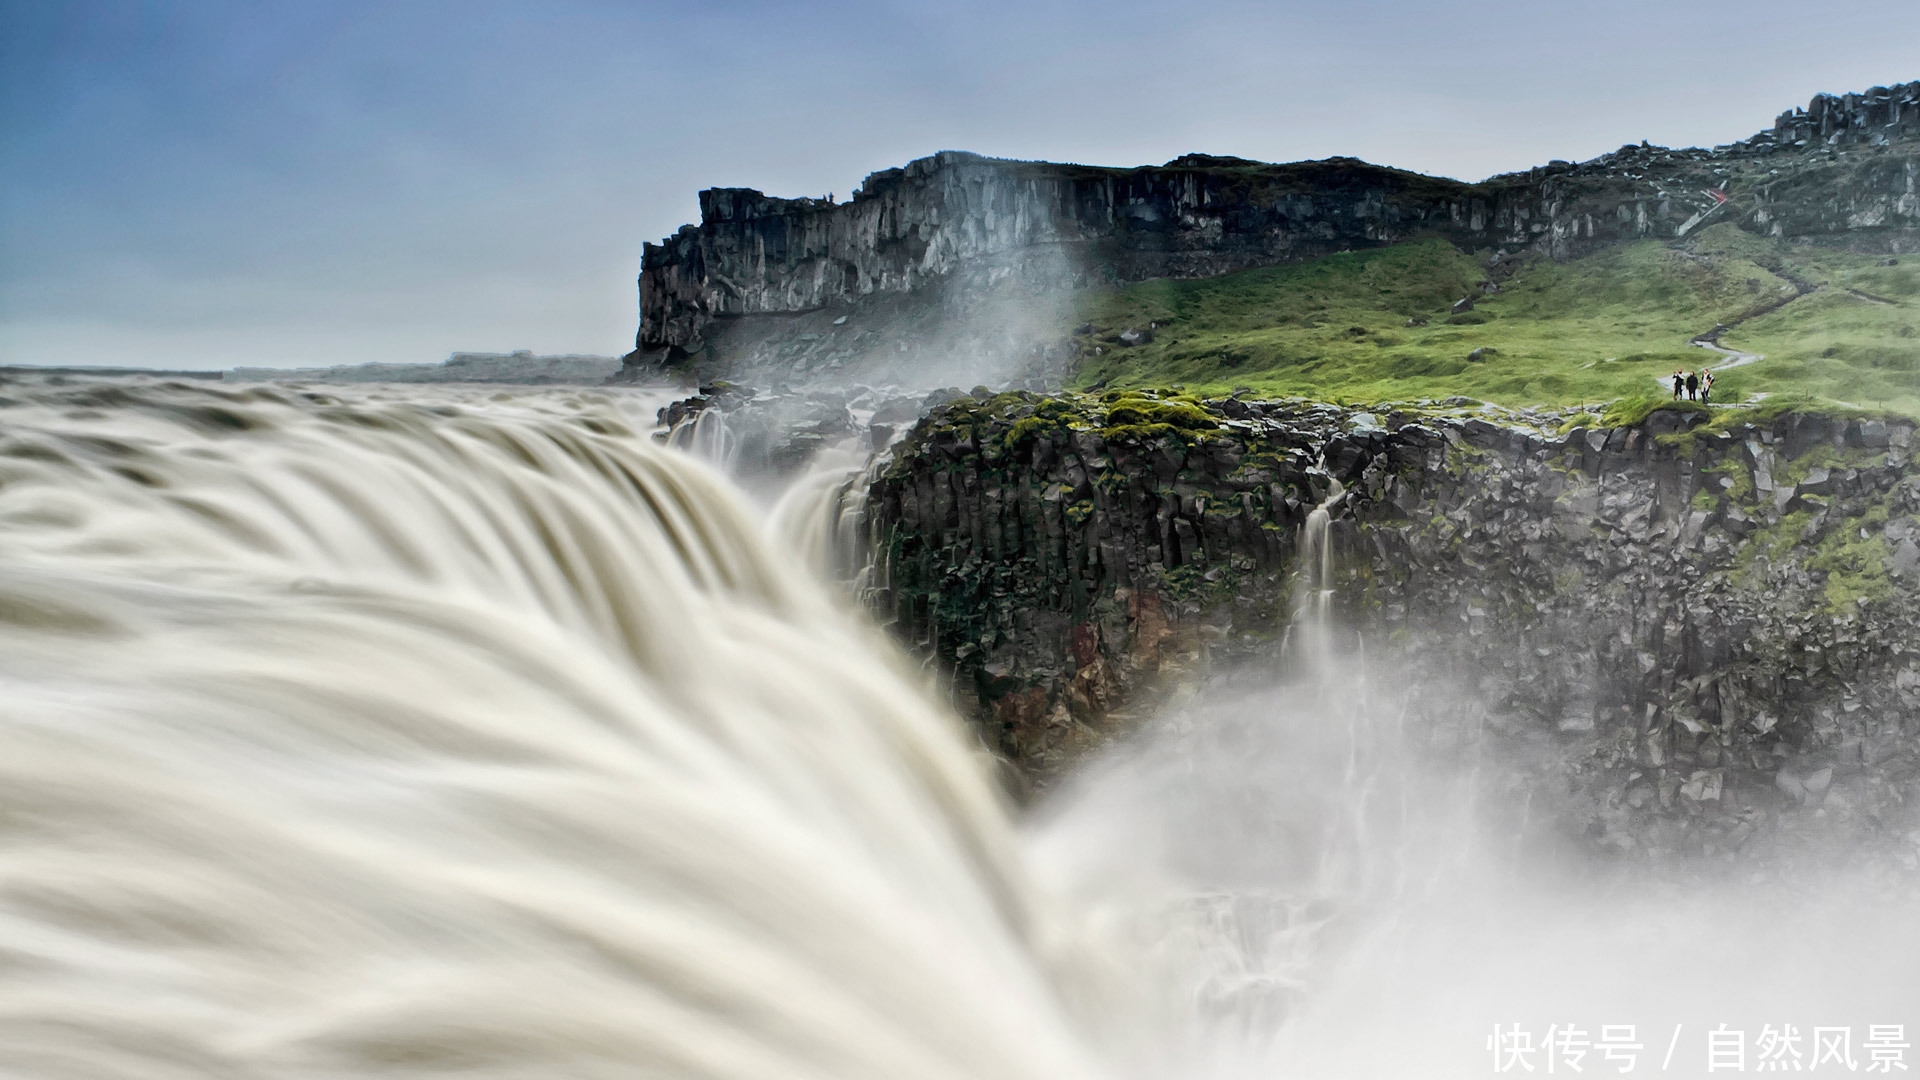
380, 732
352, 734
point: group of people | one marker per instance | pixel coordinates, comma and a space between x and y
1697, 384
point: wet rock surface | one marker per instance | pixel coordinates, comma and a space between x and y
1701, 627
763, 434
757, 434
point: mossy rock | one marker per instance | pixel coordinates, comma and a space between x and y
1173, 414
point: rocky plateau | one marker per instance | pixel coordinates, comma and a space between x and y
962, 254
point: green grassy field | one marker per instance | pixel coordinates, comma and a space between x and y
1375, 325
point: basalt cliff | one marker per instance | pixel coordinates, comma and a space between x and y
1690, 628
812, 286
1700, 626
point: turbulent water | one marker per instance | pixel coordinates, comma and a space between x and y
457, 730
352, 734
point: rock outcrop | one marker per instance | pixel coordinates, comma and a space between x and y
955, 225
758, 436
1881, 115
1710, 621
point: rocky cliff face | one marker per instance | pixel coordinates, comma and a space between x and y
1877, 117
1844, 170
1709, 625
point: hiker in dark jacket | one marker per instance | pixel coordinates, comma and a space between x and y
1693, 386
1678, 380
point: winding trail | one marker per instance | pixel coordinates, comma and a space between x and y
1734, 357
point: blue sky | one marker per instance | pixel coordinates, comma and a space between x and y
205, 183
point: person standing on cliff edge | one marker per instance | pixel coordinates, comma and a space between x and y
1706, 384
1679, 379
1693, 386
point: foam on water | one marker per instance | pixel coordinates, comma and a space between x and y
348, 734
467, 730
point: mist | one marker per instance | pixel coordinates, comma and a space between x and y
1343, 877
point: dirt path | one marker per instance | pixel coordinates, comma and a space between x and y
1734, 358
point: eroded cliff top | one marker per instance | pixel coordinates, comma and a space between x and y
953, 253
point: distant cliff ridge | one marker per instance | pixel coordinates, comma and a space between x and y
521, 366
1845, 170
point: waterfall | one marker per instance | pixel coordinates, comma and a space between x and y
467, 731
1251, 837
1331, 871
708, 435
346, 735
821, 517
1308, 637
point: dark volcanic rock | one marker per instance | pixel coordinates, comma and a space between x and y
757, 435
956, 225
1699, 620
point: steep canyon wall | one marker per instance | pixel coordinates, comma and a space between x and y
1702, 626
1843, 170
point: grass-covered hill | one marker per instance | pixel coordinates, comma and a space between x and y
1376, 325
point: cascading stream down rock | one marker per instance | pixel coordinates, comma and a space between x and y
1705, 633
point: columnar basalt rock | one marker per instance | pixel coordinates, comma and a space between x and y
1704, 622
1881, 115
1844, 170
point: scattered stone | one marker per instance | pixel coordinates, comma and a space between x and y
1906, 558
1703, 786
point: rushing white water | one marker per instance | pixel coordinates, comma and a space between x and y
466, 731
345, 735
819, 517
1308, 642
708, 435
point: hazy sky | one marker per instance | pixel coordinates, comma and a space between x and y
204, 183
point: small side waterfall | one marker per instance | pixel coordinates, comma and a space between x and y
1273, 821
821, 518
710, 436
1307, 641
